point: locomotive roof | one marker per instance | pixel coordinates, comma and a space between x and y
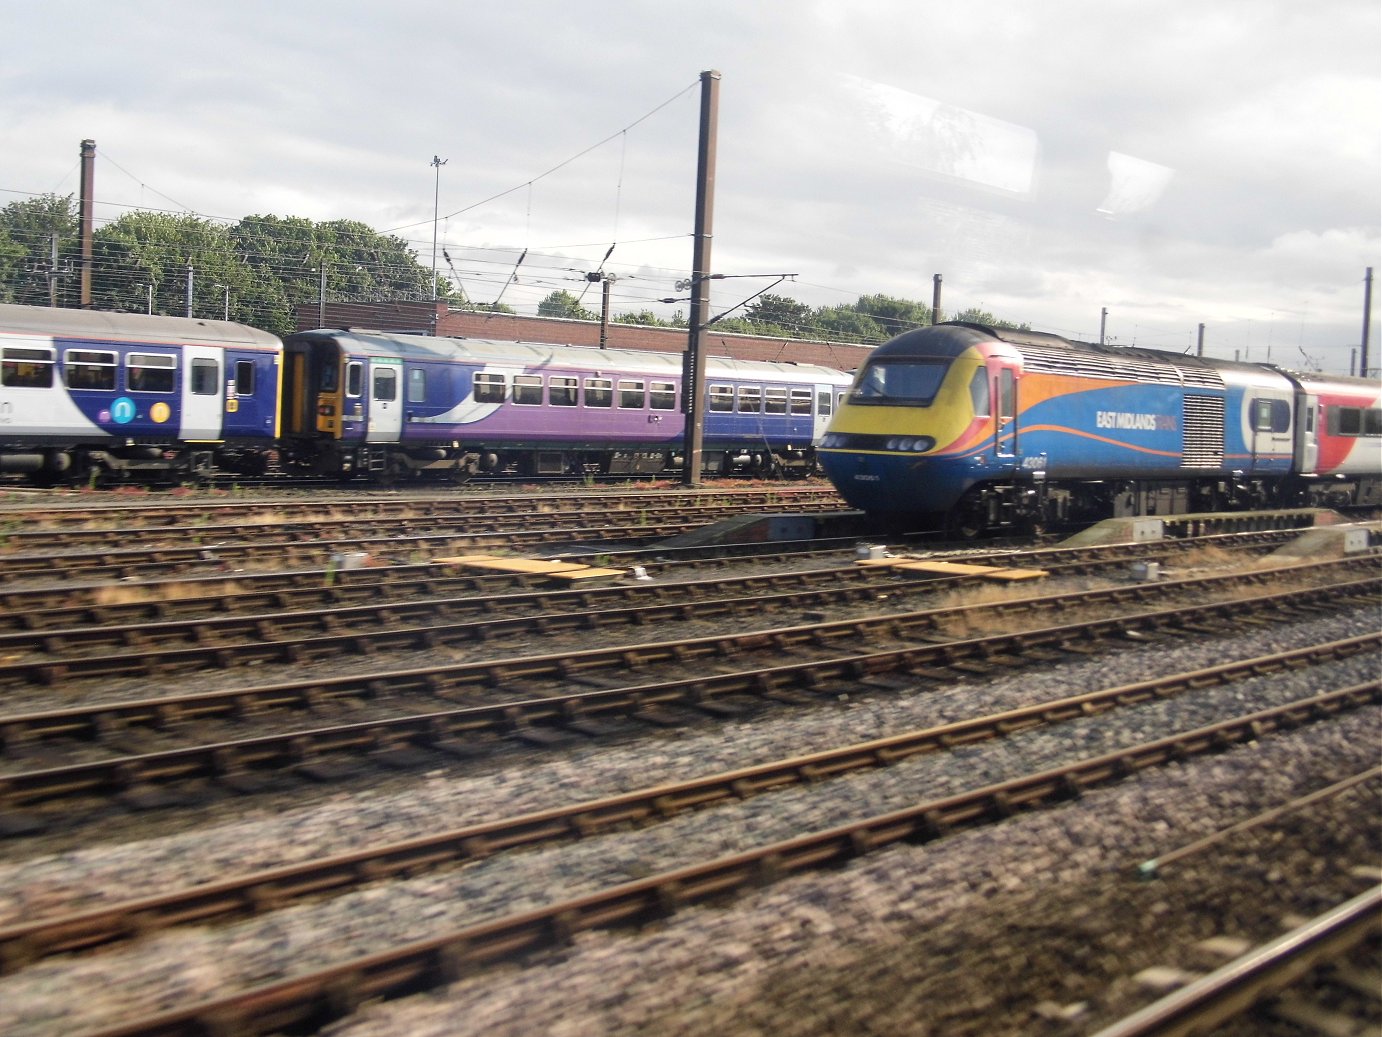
540, 354
104, 324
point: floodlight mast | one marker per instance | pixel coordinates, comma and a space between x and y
693, 362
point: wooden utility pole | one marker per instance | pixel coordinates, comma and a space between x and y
88, 193
693, 362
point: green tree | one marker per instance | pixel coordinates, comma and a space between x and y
974, 315
144, 248
29, 231
783, 316
565, 305
894, 315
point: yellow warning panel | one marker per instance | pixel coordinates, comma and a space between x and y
531, 566
947, 568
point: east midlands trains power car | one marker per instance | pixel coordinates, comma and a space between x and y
88, 395
973, 429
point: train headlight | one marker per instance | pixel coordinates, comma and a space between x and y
910, 444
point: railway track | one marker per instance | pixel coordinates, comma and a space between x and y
314, 998
474, 845
529, 699
22, 945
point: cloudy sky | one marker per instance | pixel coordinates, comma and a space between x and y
1176, 162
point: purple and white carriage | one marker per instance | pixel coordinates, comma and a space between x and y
393, 405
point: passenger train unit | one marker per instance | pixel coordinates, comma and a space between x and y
972, 429
86, 395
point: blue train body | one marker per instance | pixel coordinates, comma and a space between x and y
980, 428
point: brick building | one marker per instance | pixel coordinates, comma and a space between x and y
437, 318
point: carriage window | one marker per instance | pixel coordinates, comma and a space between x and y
1007, 395
206, 377
979, 393
150, 372
750, 399
631, 394
599, 392
823, 402
662, 396
385, 385
244, 378
721, 398
1372, 421
489, 388
561, 391
775, 400
417, 385
90, 369
527, 389
801, 401
22, 366
355, 378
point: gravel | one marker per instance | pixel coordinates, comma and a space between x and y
934, 914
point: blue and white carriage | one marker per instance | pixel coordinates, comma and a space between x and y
394, 405
87, 393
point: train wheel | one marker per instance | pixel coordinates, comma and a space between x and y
969, 519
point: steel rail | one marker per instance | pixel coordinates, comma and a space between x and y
48, 608
1232, 990
467, 507
312, 1000
443, 730
96, 721
24, 943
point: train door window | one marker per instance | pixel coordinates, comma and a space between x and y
26, 367
750, 399
244, 378
205, 377
721, 397
631, 394
599, 392
824, 403
1270, 416
355, 378
775, 400
1007, 395
150, 372
489, 387
1372, 421
89, 369
417, 385
801, 401
662, 396
385, 385
561, 391
979, 393
527, 389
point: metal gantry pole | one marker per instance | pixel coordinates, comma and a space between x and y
436, 207
693, 365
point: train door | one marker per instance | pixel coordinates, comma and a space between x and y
385, 423
1005, 444
203, 392
1272, 442
1307, 434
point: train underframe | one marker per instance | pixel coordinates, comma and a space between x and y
1037, 505
98, 464
392, 462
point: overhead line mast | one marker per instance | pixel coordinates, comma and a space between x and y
693, 363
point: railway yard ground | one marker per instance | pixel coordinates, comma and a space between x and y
662, 760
